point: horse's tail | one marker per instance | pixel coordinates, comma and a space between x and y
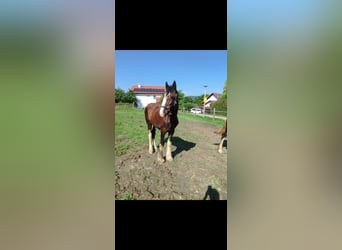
222, 130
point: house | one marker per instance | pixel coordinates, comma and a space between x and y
213, 97
146, 94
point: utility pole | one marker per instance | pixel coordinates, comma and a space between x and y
205, 97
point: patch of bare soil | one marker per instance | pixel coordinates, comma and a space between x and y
197, 171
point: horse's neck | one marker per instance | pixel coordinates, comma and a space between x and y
175, 110
173, 115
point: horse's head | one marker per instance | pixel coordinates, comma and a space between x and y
170, 100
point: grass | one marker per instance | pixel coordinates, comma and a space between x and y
130, 127
120, 149
190, 116
215, 182
126, 197
131, 131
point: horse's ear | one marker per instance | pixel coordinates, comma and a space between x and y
166, 86
174, 85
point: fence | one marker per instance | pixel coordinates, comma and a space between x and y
214, 113
220, 114
122, 105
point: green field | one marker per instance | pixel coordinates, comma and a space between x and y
130, 126
209, 119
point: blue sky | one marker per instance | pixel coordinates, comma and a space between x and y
268, 16
191, 69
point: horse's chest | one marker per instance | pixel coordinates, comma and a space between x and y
163, 123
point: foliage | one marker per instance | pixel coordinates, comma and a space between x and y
125, 97
119, 95
221, 103
129, 97
188, 106
188, 103
188, 99
180, 99
199, 100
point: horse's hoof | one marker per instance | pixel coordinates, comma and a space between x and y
220, 151
169, 159
161, 161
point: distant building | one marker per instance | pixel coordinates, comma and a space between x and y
213, 97
146, 94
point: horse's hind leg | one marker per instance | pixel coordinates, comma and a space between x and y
221, 144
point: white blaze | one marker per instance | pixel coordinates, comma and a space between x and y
161, 111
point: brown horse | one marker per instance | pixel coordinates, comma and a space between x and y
223, 133
164, 117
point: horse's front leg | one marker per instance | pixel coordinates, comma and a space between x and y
150, 149
169, 145
154, 139
160, 153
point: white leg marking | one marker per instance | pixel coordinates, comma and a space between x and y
150, 149
221, 145
168, 150
154, 144
160, 154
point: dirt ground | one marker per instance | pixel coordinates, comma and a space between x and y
197, 171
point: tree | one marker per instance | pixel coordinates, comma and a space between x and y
221, 103
188, 99
199, 100
188, 102
126, 97
188, 106
129, 97
119, 95
180, 99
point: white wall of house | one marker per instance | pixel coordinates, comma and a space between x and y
210, 100
144, 99
207, 104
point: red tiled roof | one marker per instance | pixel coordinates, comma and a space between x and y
147, 89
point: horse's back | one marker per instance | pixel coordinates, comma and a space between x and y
152, 106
